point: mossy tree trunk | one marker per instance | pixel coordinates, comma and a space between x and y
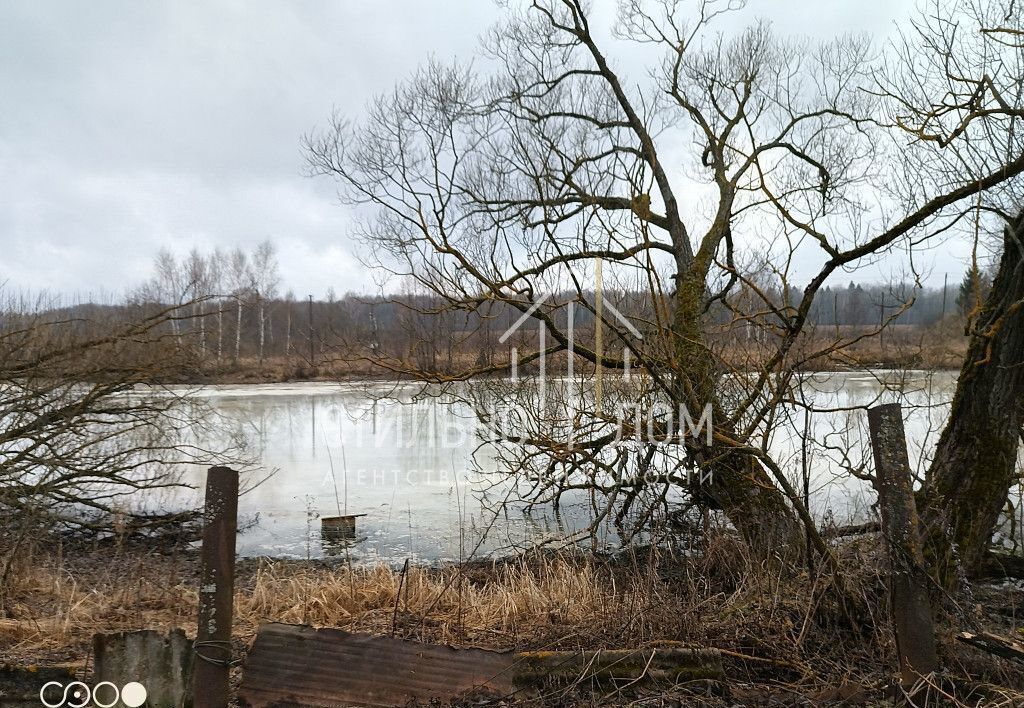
975, 461
739, 485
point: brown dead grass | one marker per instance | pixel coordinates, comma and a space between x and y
941, 346
57, 602
776, 630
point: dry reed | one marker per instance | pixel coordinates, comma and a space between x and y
776, 629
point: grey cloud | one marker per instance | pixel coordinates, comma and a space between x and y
127, 126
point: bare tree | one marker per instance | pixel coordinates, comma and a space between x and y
264, 281
218, 270
83, 427
169, 284
240, 280
197, 274
500, 188
959, 90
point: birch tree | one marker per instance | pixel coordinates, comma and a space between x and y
264, 281
240, 280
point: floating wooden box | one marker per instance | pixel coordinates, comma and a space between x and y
338, 527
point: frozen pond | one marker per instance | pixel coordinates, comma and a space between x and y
410, 466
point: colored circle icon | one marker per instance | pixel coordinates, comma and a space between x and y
133, 694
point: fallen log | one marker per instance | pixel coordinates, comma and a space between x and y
294, 665
994, 644
1002, 565
29, 686
852, 530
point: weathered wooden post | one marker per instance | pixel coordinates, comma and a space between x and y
161, 664
908, 581
216, 589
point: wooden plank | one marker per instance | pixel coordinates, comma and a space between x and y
301, 666
292, 665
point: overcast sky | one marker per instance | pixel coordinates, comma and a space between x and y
127, 126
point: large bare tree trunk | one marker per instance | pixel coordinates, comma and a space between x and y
975, 462
748, 496
739, 484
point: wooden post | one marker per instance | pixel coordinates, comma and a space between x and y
216, 589
908, 581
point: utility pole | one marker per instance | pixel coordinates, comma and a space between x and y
881, 319
945, 286
375, 344
835, 311
312, 363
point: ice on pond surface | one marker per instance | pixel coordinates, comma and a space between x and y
430, 492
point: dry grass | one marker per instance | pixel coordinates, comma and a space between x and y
901, 346
56, 603
941, 347
777, 630
518, 600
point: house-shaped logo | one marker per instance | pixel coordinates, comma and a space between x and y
600, 305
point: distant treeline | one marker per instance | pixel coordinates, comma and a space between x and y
242, 325
864, 305
230, 308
